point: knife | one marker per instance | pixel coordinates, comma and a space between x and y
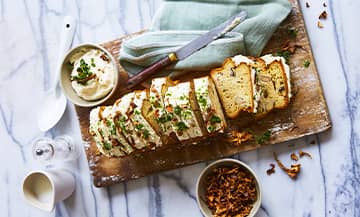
188, 49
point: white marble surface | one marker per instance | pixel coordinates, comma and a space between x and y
329, 184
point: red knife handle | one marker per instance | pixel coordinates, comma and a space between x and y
151, 70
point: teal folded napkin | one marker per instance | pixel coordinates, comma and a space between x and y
178, 22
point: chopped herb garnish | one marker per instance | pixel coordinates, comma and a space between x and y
137, 112
265, 137
177, 110
306, 63
107, 145
211, 128
181, 126
186, 114
121, 124
146, 134
292, 32
183, 97
92, 62
113, 130
84, 73
202, 101
215, 119
108, 123
168, 94
139, 126
165, 118
285, 54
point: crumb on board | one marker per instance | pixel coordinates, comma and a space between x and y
307, 4
324, 4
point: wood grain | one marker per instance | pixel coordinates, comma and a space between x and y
307, 114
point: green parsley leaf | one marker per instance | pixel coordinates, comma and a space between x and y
215, 119
108, 123
181, 126
285, 54
211, 129
107, 145
139, 126
165, 118
292, 32
263, 138
177, 110
92, 62
202, 101
306, 63
186, 114
146, 134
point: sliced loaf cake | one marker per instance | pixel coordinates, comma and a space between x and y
108, 139
138, 111
275, 85
209, 104
234, 86
122, 110
180, 102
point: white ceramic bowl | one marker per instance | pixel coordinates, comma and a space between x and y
65, 81
200, 186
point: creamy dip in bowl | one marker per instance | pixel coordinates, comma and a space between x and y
92, 74
89, 75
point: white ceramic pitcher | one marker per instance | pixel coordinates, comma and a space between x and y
44, 188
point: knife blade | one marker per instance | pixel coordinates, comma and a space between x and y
188, 49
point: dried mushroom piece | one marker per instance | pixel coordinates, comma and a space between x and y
239, 137
320, 25
271, 170
292, 172
294, 157
303, 153
323, 15
230, 191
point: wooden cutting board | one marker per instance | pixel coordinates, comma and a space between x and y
307, 114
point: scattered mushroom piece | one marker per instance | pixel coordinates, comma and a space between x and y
294, 157
238, 137
271, 170
320, 25
292, 172
323, 15
303, 153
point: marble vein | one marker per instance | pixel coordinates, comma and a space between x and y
352, 178
8, 124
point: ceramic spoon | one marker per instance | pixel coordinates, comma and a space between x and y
54, 102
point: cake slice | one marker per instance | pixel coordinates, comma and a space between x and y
121, 110
156, 113
108, 140
234, 85
275, 85
138, 109
209, 105
180, 102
